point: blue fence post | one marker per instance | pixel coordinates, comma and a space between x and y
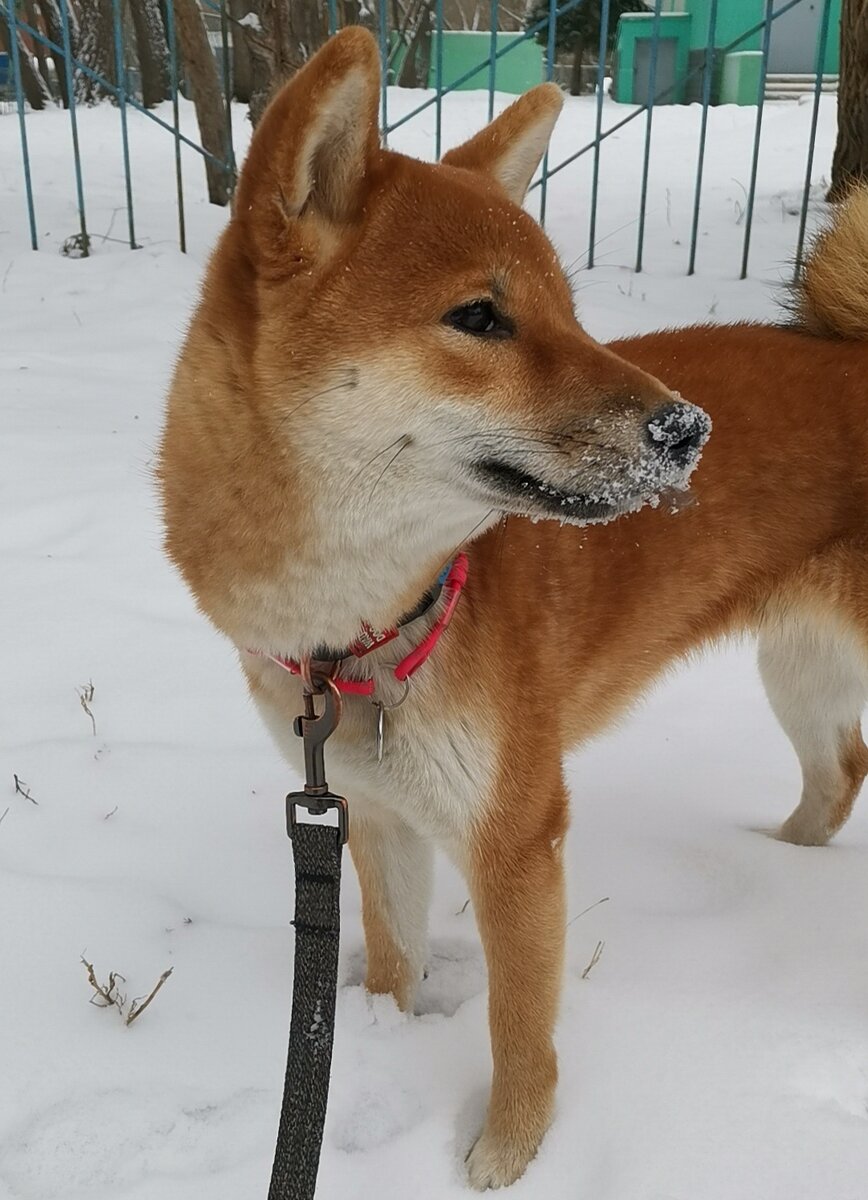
646, 162
818, 91
173, 71
73, 124
121, 69
382, 17
333, 16
707, 73
598, 126
227, 93
494, 20
751, 196
22, 124
550, 71
438, 83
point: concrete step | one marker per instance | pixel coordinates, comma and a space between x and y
794, 78
793, 87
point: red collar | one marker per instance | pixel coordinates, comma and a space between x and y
370, 639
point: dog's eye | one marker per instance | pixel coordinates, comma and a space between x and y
480, 318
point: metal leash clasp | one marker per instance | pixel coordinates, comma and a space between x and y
315, 729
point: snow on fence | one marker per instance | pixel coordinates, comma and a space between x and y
698, 81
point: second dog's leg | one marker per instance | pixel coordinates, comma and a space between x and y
394, 866
518, 895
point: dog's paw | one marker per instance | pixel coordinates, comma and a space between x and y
801, 831
496, 1162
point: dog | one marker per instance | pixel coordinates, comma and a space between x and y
385, 377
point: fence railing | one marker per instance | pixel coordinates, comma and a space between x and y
545, 28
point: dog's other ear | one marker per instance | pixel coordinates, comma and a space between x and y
315, 142
510, 148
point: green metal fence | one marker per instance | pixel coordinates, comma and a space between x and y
494, 49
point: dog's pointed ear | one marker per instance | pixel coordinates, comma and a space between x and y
316, 140
511, 147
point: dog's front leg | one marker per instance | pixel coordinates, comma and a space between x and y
394, 866
518, 893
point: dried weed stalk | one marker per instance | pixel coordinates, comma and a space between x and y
85, 699
109, 994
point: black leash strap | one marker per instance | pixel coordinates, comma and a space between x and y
316, 851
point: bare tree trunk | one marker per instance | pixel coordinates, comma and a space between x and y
152, 49
39, 51
281, 36
95, 48
242, 79
578, 59
850, 164
53, 27
32, 83
201, 74
417, 61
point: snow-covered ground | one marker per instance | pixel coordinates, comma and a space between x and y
719, 1048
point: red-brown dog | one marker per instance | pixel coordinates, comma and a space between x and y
385, 362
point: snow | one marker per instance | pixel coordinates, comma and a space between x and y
718, 1050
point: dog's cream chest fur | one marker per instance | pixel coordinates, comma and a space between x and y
436, 771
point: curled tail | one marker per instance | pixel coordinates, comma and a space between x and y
831, 298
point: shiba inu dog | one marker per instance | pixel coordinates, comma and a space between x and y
384, 379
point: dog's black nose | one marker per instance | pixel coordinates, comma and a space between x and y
677, 431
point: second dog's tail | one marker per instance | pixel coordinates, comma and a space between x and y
831, 298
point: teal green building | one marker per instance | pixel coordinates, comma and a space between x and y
686, 32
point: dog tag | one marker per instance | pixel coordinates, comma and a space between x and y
381, 730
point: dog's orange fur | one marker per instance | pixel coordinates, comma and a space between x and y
321, 319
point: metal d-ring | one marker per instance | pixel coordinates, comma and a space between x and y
404, 694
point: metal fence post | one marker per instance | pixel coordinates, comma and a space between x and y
173, 72
646, 162
707, 72
22, 124
818, 91
84, 245
550, 70
382, 25
120, 67
494, 20
438, 83
598, 127
751, 196
227, 93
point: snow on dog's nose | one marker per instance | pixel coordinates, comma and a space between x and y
678, 432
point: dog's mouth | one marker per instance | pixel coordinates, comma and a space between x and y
625, 490
535, 495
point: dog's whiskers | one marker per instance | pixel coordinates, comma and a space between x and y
469, 535
517, 431
539, 445
347, 385
385, 450
406, 441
